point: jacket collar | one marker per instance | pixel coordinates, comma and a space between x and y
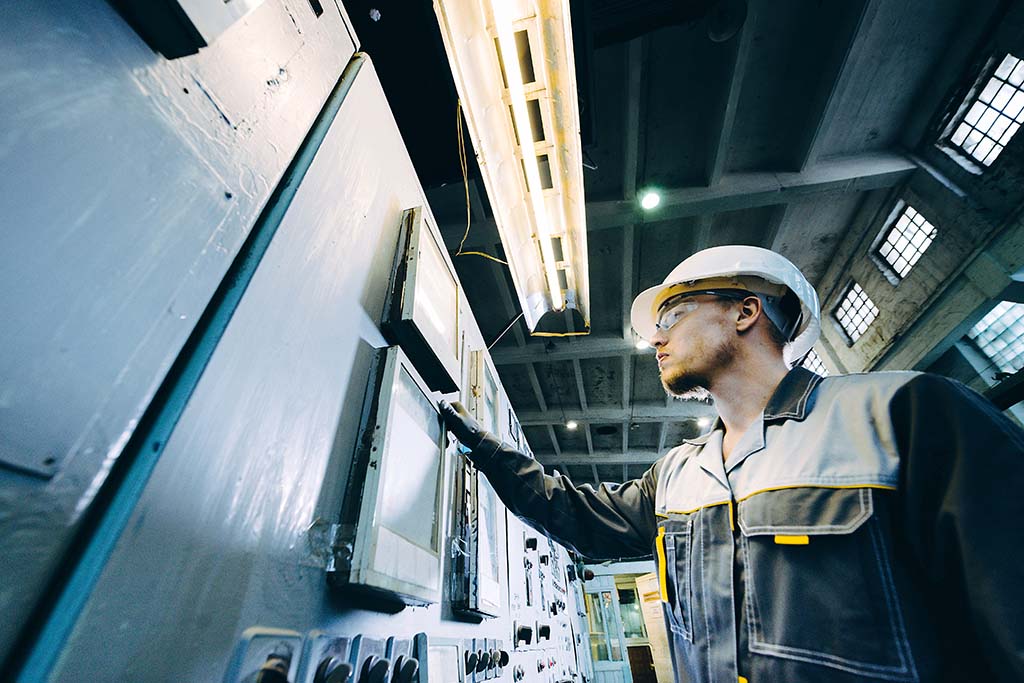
792, 397
790, 400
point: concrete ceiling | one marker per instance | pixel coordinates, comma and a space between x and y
773, 138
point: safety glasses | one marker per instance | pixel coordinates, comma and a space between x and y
676, 308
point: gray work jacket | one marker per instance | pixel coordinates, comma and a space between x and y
867, 527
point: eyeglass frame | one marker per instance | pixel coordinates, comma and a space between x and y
732, 294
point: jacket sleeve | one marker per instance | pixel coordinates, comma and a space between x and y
614, 521
962, 471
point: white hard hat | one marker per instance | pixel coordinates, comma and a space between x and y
736, 267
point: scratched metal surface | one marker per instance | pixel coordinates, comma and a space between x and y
130, 183
221, 538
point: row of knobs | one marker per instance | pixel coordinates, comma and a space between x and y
480, 661
374, 670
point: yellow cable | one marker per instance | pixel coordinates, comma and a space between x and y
464, 165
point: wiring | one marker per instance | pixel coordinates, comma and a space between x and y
514, 321
465, 183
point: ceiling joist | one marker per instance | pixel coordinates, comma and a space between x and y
855, 173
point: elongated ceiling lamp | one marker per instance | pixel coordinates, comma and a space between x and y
512, 61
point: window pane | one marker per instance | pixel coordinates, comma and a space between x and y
999, 107
856, 312
1000, 336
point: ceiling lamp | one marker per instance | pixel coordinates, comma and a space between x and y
650, 200
512, 61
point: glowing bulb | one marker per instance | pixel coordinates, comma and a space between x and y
572, 425
643, 344
703, 422
650, 200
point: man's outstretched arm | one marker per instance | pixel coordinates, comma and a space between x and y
610, 522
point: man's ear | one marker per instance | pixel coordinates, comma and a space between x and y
749, 312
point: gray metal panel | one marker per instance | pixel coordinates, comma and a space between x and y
130, 183
227, 534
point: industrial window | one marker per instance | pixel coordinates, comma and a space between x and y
906, 240
812, 362
1000, 336
856, 312
995, 115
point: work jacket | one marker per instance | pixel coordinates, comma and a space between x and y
865, 527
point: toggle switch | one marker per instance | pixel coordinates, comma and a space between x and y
375, 670
524, 634
332, 670
406, 669
274, 670
531, 543
471, 660
543, 632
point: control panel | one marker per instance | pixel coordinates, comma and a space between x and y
279, 656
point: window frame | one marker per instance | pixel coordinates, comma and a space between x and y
875, 252
945, 139
850, 339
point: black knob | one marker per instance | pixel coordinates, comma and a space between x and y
332, 670
375, 670
274, 670
531, 543
406, 669
471, 659
483, 661
588, 574
503, 658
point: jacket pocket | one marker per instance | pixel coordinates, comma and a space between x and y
818, 582
675, 576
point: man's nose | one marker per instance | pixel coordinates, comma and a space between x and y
658, 338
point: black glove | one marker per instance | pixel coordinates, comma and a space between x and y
459, 422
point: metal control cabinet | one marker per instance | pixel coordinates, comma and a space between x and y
219, 571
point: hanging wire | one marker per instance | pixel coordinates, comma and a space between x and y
465, 183
514, 321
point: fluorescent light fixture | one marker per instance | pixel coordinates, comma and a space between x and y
650, 200
642, 344
571, 425
512, 61
703, 422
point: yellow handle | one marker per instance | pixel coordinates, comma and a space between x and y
662, 569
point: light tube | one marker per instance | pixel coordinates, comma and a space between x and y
510, 57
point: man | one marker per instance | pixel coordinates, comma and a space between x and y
846, 529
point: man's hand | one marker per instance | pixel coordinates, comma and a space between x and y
460, 423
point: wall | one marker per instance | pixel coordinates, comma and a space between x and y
228, 530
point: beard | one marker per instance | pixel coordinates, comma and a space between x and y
687, 386
692, 381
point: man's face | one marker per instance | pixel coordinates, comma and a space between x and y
698, 342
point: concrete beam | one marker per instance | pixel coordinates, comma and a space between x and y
828, 99
633, 137
636, 457
677, 412
591, 346
857, 173
721, 136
